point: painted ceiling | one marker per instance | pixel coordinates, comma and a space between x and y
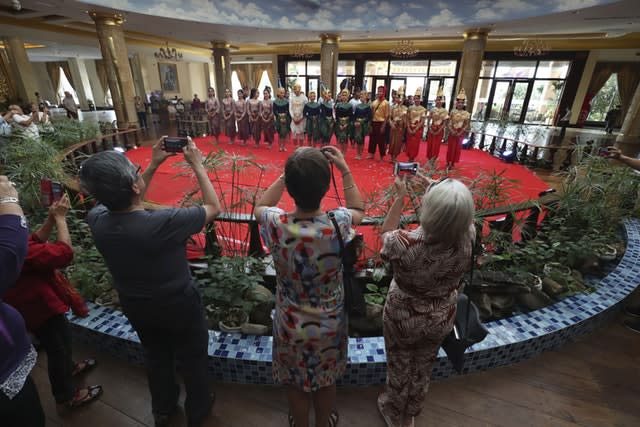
347, 15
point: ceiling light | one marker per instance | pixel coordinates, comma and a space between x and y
404, 49
167, 53
301, 51
531, 47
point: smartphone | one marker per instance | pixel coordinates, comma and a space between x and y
50, 192
174, 144
405, 168
603, 151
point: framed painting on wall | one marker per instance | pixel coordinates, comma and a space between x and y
168, 77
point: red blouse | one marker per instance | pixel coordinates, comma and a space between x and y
33, 295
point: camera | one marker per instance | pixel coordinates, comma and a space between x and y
174, 144
50, 192
405, 168
603, 151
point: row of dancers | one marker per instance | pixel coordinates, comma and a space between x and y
391, 127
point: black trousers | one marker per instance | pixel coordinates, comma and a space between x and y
174, 331
55, 337
142, 119
378, 139
24, 410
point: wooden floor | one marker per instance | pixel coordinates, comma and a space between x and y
594, 381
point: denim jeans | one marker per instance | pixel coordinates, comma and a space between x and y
55, 338
174, 330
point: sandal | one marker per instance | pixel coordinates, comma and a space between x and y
333, 418
92, 393
292, 423
83, 367
387, 418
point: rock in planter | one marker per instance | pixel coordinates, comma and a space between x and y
261, 313
534, 300
254, 329
370, 323
552, 287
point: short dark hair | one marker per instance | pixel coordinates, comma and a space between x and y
307, 175
108, 176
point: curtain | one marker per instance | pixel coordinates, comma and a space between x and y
242, 72
102, 75
53, 69
272, 78
601, 74
257, 74
67, 72
628, 79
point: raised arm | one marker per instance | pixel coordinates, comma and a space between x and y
211, 204
392, 220
352, 196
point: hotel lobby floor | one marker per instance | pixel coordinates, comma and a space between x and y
593, 381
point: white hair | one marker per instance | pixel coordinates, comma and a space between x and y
447, 212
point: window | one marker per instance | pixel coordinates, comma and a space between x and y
65, 86
552, 69
443, 68
235, 85
544, 100
606, 99
376, 68
264, 82
520, 69
409, 67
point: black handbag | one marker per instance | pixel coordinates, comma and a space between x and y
353, 294
467, 330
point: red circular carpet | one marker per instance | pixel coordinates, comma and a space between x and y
241, 171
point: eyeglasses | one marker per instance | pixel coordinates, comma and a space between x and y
434, 183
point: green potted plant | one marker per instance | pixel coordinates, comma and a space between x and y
228, 286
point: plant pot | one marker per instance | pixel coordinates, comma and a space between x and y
533, 281
605, 252
239, 317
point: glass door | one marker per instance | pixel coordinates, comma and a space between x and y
432, 91
396, 84
312, 86
507, 100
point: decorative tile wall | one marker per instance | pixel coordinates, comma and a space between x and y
247, 359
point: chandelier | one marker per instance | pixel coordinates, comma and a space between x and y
301, 51
531, 47
167, 53
404, 49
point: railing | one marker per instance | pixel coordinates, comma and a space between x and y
552, 156
193, 124
530, 210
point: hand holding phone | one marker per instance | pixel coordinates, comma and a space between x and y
405, 168
50, 192
603, 151
174, 144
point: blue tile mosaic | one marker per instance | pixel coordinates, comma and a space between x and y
247, 359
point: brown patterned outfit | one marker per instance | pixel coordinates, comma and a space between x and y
419, 313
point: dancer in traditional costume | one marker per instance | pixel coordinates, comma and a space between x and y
282, 118
416, 116
326, 117
397, 125
267, 118
242, 117
458, 123
297, 102
381, 111
212, 107
361, 122
311, 115
228, 109
253, 111
344, 117
437, 121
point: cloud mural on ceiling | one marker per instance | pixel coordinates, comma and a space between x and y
345, 15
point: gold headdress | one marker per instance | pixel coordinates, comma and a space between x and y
345, 91
440, 93
462, 95
418, 92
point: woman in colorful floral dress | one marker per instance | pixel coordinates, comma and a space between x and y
309, 325
420, 310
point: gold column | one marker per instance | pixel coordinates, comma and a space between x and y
138, 80
22, 77
472, 53
221, 66
116, 63
329, 61
630, 130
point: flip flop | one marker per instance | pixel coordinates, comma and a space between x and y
334, 418
386, 417
83, 367
93, 392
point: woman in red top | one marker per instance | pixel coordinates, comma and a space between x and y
41, 295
